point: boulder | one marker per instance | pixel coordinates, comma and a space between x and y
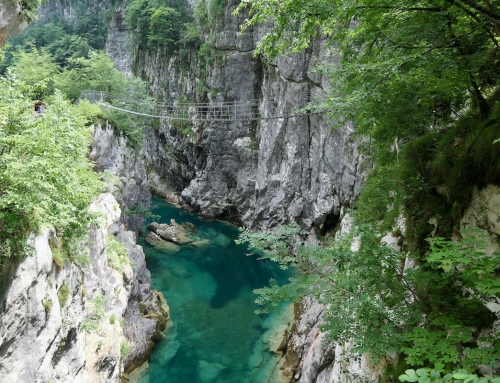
222, 240
161, 245
207, 372
202, 243
173, 233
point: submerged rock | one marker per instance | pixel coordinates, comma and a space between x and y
207, 372
169, 351
202, 243
188, 225
180, 271
222, 240
161, 245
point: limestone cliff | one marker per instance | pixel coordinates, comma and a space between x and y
259, 173
63, 322
94, 316
127, 174
13, 20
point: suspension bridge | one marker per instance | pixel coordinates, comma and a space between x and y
187, 111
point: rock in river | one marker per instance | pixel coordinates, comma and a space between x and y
173, 233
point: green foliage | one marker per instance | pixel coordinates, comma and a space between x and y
426, 375
64, 41
142, 210
47, 306
390, 58
38, 69
63, 294
96, 72
372, 301
92, 321
28, 8
157, 23
468, 261
116, 253
59, 257
420, 82
124, 349
112, 319
45, 176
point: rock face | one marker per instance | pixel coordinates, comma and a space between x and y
60, 323
127, 180
309, 360
173, 233
258, 173
118, 40
13, 20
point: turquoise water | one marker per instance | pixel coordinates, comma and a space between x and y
208, 285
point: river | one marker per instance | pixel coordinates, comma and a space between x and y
216, 336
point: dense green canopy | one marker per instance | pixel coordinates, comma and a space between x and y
420, 80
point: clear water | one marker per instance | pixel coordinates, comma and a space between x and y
216, 335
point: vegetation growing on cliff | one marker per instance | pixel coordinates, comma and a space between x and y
157, 23
420, 80
45, 176
46, 179
28, 7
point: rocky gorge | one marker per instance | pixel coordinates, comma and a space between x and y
258, 174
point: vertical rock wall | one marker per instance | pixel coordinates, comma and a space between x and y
258, 173
12, 21
127, 174
43, 340
44, 337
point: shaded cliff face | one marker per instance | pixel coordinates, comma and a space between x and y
12, 21
260, 173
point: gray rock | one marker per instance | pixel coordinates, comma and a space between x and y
262, 173
174, 232
43, 341
128, 181
11, 21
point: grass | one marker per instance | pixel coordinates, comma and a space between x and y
117, 254
59, 257
62, 295
124, 349
47, 306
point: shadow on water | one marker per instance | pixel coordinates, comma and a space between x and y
217, 338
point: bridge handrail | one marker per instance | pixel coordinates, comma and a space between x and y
211, 111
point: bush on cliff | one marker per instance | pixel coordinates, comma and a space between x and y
46, 179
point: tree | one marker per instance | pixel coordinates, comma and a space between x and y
37, 68
46, 179
434, 55
371, 301
157, 22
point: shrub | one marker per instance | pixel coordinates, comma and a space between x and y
124, 349
63, 294
59, 257
116, 253
47, 306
